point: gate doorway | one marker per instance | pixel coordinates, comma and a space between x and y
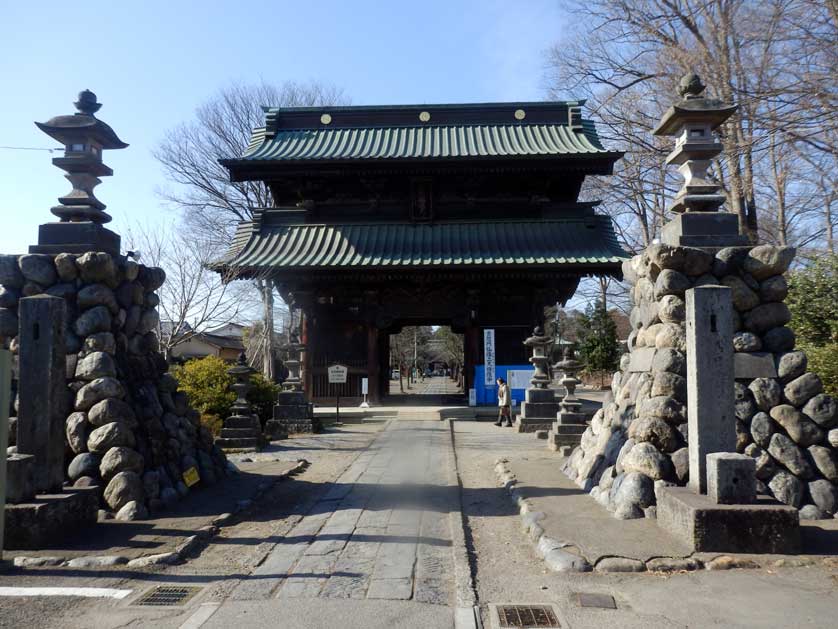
426, 366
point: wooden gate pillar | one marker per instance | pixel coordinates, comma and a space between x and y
373, 364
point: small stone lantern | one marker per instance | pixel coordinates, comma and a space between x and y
569, 367
692, 121
538, 411
241, 430
539, 343
81, 215
294, 363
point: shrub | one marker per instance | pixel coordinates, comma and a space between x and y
824, 362
262, 396
213, 422
207, 383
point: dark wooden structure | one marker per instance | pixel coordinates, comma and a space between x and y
461, 215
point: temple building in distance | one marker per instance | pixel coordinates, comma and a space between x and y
462, 215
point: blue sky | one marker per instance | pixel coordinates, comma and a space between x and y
152, 63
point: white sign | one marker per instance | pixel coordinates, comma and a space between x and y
489, 357
520, 378
365, 386
472, 397
337, 374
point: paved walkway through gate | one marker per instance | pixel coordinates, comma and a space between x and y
382, 531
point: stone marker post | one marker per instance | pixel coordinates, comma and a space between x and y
42, 388
5, 403
710, 412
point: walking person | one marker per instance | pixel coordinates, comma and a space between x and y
504, 403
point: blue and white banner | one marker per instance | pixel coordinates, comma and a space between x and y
489, 357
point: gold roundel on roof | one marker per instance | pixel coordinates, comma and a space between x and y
520, 114
326, 118
424, 116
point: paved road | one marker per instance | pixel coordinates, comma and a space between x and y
382, 531
371, 536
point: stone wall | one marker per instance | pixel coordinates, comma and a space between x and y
128, 429
783, 419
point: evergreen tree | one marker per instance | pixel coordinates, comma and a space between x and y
599, 348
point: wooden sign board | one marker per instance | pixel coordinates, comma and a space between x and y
337, 374
191, 477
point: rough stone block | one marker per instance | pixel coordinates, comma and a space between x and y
750, 365
731, 478
641, 359
20, 485
49, 519
762, 527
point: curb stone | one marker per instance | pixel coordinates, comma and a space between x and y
559, 559
552, 551
191, 546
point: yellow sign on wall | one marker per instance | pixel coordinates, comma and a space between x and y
191, 476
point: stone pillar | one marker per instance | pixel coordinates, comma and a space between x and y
43, 388
5, 404
710, 410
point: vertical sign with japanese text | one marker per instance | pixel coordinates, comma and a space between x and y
489, 357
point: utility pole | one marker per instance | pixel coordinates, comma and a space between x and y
268, 355
415, 356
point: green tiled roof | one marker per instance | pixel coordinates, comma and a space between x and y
443, 142
572, 242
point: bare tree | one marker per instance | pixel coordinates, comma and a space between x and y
776, 59
193, 298
211, 204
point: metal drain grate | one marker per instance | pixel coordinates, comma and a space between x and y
526, 616
168, 595
602, 601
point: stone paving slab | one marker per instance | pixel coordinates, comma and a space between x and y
381, 532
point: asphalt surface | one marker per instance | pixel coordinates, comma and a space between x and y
368, 536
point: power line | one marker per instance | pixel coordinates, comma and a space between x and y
28, 148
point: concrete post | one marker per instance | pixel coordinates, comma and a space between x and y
5, 404
43, 388
710, 412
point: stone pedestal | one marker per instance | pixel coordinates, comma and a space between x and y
761, 527
20, 475
538, 411
49, 518
713, 230
293, 413
81, 237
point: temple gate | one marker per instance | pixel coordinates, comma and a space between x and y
460, 215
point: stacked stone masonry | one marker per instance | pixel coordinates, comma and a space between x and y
129, 431
638, 440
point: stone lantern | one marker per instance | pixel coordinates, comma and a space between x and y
293, 413
81, 215
692, 121
294, 363
241, 430
570, 421
538, 411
